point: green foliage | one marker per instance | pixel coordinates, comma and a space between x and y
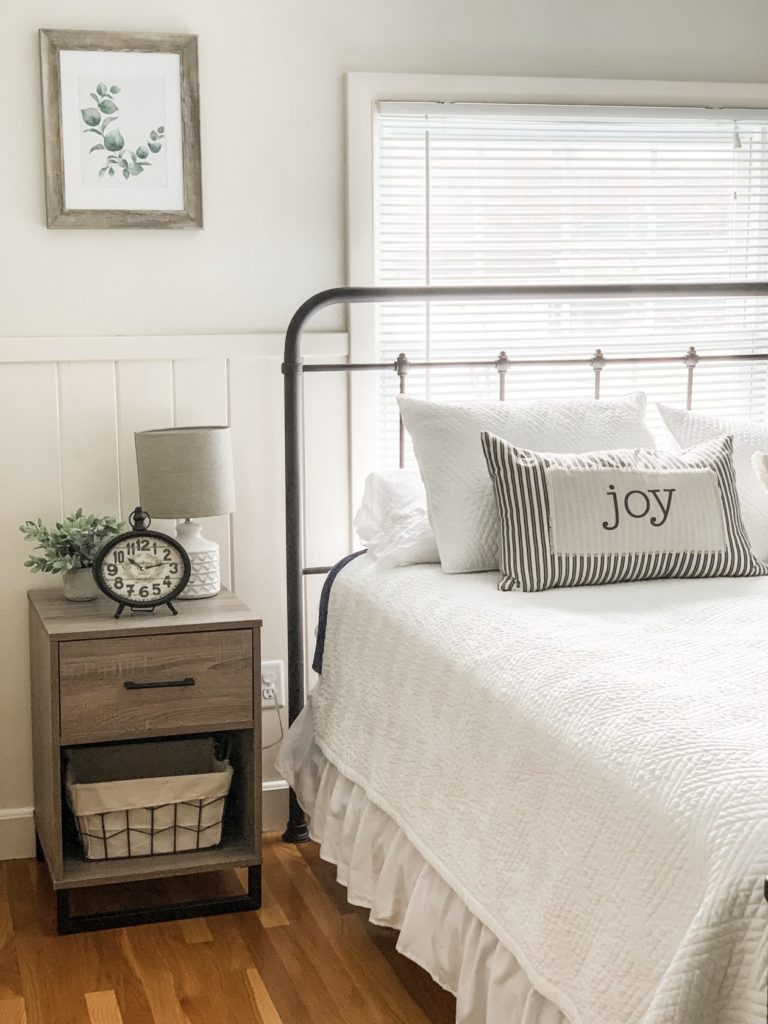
71, 544
112, 139
91, 116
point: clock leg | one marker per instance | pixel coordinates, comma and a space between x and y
173, 610
120, 609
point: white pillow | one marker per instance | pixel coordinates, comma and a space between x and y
691, 428
446, 439
392, 520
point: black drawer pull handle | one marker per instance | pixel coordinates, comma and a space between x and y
154, 686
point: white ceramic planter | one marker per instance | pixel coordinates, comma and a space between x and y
79, 585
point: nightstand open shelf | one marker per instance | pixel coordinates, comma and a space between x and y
78, 872
81, 659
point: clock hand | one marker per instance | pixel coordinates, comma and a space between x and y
134, 562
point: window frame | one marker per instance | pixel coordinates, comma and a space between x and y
364, 90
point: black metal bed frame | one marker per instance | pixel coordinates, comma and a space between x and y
294, 369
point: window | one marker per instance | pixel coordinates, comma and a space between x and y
492, 194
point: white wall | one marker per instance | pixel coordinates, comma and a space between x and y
272, 135
273, 180
68, 411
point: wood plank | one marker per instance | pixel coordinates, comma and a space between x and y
322, 929
256, 398
328, 533
202, 976
103, 1007
144, 402
13, 1011
88, 431
271, 914
104, 969
373, 951
138, 948
195, 930
10, 976
52, 967
258, 524
326, 964
262, 1000
201, 397
325, 1004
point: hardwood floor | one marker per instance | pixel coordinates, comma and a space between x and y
306, 958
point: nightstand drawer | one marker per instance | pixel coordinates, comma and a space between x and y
166, 683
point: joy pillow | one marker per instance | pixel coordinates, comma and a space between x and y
610, 517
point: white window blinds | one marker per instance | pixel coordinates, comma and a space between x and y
473, 193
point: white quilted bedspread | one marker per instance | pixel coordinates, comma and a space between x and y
587, 768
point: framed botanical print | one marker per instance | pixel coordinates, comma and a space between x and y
121, 116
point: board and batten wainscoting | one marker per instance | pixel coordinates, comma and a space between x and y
68, 411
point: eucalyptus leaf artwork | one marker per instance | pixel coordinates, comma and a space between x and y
120, 159
121, 127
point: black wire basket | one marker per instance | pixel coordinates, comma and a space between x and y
143, 800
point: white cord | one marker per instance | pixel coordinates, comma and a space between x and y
280, 721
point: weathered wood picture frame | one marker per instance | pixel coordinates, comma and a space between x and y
138, 94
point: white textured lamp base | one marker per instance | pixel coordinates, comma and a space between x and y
205, 579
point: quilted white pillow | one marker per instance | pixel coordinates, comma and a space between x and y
392, 519
446, 439
691, 428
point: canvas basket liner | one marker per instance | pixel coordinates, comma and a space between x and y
142, 799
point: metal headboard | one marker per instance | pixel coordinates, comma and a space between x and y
294, 369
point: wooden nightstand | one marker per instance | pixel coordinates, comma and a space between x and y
81, 659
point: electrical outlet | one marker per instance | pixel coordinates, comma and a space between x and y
272, 684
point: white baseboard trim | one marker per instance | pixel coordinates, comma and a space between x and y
17, 833
17, 829
274, 806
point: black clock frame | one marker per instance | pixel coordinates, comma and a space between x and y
139, 517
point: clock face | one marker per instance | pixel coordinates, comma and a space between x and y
144, 568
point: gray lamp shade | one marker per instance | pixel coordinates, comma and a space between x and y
185, 472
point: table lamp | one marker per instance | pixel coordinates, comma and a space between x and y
186, 473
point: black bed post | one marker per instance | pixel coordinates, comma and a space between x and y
296, 830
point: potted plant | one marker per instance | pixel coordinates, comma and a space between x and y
70, 548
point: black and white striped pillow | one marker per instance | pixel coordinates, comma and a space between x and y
611, 517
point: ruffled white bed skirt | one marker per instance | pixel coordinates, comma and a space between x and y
383, 871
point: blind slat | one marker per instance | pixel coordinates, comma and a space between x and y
493, 194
